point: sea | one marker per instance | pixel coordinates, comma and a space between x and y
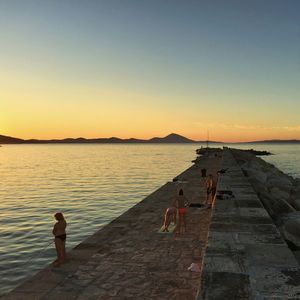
91, 184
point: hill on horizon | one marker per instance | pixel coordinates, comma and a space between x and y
10, 140
171, 138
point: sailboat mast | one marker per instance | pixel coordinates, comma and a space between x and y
207, 139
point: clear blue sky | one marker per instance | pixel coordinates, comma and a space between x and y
143, 68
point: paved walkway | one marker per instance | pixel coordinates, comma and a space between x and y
128, 258
246, 258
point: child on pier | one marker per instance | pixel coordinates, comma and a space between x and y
181, 203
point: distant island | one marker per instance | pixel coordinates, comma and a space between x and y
171, 138
274, 142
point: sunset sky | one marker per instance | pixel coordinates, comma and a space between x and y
137, 68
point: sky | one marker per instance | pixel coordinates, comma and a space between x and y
137, 68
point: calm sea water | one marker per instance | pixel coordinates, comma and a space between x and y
91, 185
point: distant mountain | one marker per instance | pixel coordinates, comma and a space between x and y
171, 138
10, 140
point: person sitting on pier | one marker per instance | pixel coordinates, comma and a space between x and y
181, 203
170, 216
211, 185
59, 231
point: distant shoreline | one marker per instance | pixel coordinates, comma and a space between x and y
169, 139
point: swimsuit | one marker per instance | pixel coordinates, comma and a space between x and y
61, 237
211, 190
182, 210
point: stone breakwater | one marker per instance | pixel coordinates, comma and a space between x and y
246, 256
279, 193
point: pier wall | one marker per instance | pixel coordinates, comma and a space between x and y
246, 257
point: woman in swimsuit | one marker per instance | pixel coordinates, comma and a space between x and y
181, 204
59, 231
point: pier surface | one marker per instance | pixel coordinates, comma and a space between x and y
246, 257
128, 258
237, 246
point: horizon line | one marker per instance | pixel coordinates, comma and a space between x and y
125, 140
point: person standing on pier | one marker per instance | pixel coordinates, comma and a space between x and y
59, 232
181, 203
211, 186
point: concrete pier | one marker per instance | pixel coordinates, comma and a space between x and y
238, 248
128, 258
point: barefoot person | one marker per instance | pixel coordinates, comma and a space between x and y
211, 185
181, 204
59, 231
170, 216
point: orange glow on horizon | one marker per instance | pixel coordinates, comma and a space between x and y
57, 110
230, 137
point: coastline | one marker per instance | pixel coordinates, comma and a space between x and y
116, 262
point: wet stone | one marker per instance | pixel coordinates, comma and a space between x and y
230, 227
242, 220
224, 285
220, 260
248, 203
284, 282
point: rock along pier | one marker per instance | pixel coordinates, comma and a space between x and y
239, 250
